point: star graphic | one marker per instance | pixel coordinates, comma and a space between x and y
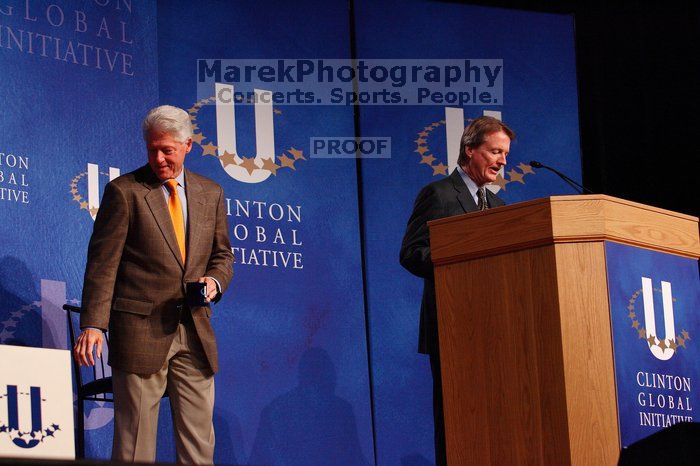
227, 159
55, 427
193, 109
672, 344
198, 138
269, 164
635, 323
9, 323
651, 340
3, 428
249, 164
642, 333
525, 168
662, 344
632, 315
49, 432
685, 334
209, 149
93, 211
420, 141
277, 112
84, 205
428, 128
630, 307
500, 181
298, 154
76, 197
515, 176
19, 313
421, 150
681, 341
427, 159
195, 126
423, 133
286, 161
440, 169
74, 191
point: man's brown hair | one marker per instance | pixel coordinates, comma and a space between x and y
476, 132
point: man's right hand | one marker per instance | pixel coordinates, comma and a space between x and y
84, 347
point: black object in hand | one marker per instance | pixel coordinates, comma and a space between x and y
196, 294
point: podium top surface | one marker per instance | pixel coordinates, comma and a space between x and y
562, 219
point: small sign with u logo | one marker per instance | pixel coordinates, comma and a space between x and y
36, 403
654, 302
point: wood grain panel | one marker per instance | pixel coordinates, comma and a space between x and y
502, 366
563, 219
586, 337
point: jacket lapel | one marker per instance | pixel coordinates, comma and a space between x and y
155, 199
463, 195
195, 212
493, 200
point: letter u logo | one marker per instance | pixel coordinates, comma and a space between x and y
93, 176
226, 133
661, 349
13, 417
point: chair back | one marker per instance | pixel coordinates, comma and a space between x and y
88, 376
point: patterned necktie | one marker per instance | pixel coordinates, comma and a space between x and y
175, 208
481, 196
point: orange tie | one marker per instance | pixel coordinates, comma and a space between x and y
175, 208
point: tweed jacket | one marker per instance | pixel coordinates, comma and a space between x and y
135, 278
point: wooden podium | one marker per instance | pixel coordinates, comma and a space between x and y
524, 322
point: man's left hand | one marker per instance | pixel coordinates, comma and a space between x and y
212, 289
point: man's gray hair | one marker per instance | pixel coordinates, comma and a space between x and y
168, 119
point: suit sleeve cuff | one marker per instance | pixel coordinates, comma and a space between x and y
218, 285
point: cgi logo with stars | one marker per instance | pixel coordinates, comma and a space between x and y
91, 177
661, 348
37, 433
239, 166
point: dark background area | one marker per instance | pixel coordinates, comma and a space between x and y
638, 75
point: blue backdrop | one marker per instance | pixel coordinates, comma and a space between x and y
540, 104
303, 379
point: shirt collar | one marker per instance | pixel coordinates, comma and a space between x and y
471, 186
180, 179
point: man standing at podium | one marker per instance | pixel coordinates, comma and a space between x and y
158, 255
483, 151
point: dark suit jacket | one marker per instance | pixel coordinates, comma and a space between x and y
444, 198
135, 278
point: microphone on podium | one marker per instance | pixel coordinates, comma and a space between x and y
579, 188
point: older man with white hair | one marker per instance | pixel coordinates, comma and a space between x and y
160, 233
